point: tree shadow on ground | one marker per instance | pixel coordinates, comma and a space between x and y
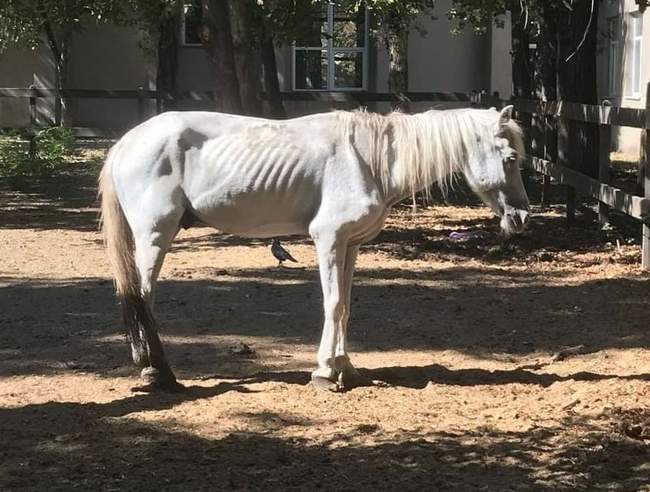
498, 313
67, 200
545, 236
61, 446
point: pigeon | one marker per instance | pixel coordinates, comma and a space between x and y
280, 253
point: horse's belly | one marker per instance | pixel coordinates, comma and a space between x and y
255, 214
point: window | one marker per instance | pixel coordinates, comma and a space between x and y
613, 65
332, 53
191, 22
634, 66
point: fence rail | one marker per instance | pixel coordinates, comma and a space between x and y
604, 115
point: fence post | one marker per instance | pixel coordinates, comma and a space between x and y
643, 164
550, 154
604, 142
141, 103
32, 121
32, 106
563, 160
160, 101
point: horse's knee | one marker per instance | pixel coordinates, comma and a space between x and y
335, 309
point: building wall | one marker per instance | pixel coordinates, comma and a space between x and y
438, 62
501, 59
109, 57
196, 72
21, 69
102, 57
624, 139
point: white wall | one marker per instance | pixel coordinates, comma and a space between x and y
501, 59
625, 139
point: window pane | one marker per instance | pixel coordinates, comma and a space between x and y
348, 70
314, 33
193, 17
349, 28
311, 69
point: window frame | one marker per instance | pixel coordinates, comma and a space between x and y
331, 51
614, 56
183, 33
634, 40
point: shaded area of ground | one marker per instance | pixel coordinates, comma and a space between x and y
463, 344
67, 200
84, 446
462, 309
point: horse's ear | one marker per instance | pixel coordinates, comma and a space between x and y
505, 115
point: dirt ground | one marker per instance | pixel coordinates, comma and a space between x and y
520, 365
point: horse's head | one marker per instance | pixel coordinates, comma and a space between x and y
493, 171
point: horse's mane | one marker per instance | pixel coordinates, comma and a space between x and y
425, 148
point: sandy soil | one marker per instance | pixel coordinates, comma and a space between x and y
497, 366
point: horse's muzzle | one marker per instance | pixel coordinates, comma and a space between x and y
514, 221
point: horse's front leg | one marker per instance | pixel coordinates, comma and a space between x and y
348, 375
331, 263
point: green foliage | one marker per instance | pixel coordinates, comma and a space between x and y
289, 19
150, 15
477, 14
43, 154
24, 21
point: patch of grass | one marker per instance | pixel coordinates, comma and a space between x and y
22, 154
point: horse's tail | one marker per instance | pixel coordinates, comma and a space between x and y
118, 236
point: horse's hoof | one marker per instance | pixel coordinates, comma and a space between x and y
350, 378
324, 384
156, 381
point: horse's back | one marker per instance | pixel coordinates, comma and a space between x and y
244, 175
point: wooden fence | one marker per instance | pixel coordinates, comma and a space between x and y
608, 196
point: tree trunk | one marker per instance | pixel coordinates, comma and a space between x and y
167, 69
217, 39
547, 54
522, 78
59, 49
398, 78
242, 20
522, 72
271, 83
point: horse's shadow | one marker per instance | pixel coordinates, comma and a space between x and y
419, 377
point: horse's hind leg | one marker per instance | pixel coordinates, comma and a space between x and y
151, 245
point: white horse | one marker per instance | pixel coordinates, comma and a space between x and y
333, 176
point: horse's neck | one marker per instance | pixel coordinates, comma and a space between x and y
414, 167
409, 153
